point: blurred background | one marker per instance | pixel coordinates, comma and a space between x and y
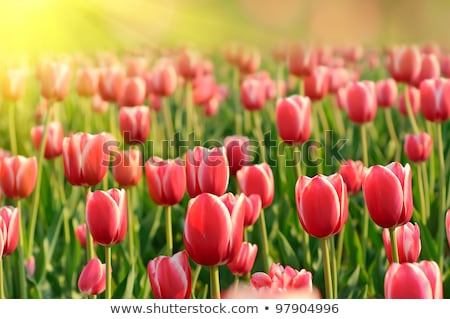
75, 25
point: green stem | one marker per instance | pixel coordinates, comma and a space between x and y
301, 87
260, 133
12, 128
189, 108
409, 111
442, 194
21, 260
168, 119
2, 295
130, 221
298, 164
392, 133
365, 155
394, 250
339, 121
37, 190
89, 240
195, 276
327, 270
423, 168
247, 121
236, 284
423, 212
108, 272
264, 241
334, 270
340, 246
237, 102
215, 283
322, 116
112, 119
87, 115
169, 240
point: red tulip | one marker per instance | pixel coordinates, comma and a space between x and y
316, 84
30, 266
9, 230
55, 136
322, 204
55, 81
170, 277
166, 180
353, 173
413, 281
18, 176
249, 61
155, 102
134, 124
429, 69
435, 99
127, 167
106, 215
293, 118
87, 82
352, 53
258, 180
80, 233
213, 233
361, 102
206, 171
238, 152
211, 107
99, 106
252, 206
418, 147
445, 65
281, 280
253, 94
386, 91
204, 88
300, 61
388, 194
85, 158
339, 78
92, 280
13, 84
136, 66
163, 78
404, 64
133, 92
408, 243
242, 264
188, 63
110, 85
414, 101
447, 224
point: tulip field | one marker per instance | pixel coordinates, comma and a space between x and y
300, 171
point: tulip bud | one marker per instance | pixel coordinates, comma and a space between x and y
13, 86
18, 176
404, 64
249, 61
435, 99
243, 262
106, 215
127, 167
293, 119
87, 82
55, 136
80, 233
408, 243
447, 226
339, 78
99, 106
55, 81
300, 61
163, 78
92, 280
30, 266
9, 230
258, 180
166, 180
170, 277
188, 62
204, 88
134, 124
133, 92
110, 85
418, 147
136, 66
388, 194
352, 173
253, 94
386, 91
322, 204
429, 69
207, 171
361, 102
238, 152
155, 102
316, 84
413, 281
414, 101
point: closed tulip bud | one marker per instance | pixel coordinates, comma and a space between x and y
339, 78
435, 99
87, 82
155, 102
170, 277
252, 206
80, 233
136, 66
92, 280
253, 94
316, 84
249, 61
447, 226
211, 107
9, 230
127, 167
204, 88
429, 69
53, 144
207, 171
110, 85
341, 98
166, 180
18, 176
352, 173
206, 67
133, 92
413, 281
301, 61
55, 81
414, 101
322, 204
30, 266
352, 53
99, 106
238, 152
13, 85
163, 78
408, 243
106, 216
404, 64
134, 124
282, 279
212, 233
444, 61
85, 159
388, 194
386, 91
243, 262
293, 119
257, 180
418, 147
361, 102
188, 63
